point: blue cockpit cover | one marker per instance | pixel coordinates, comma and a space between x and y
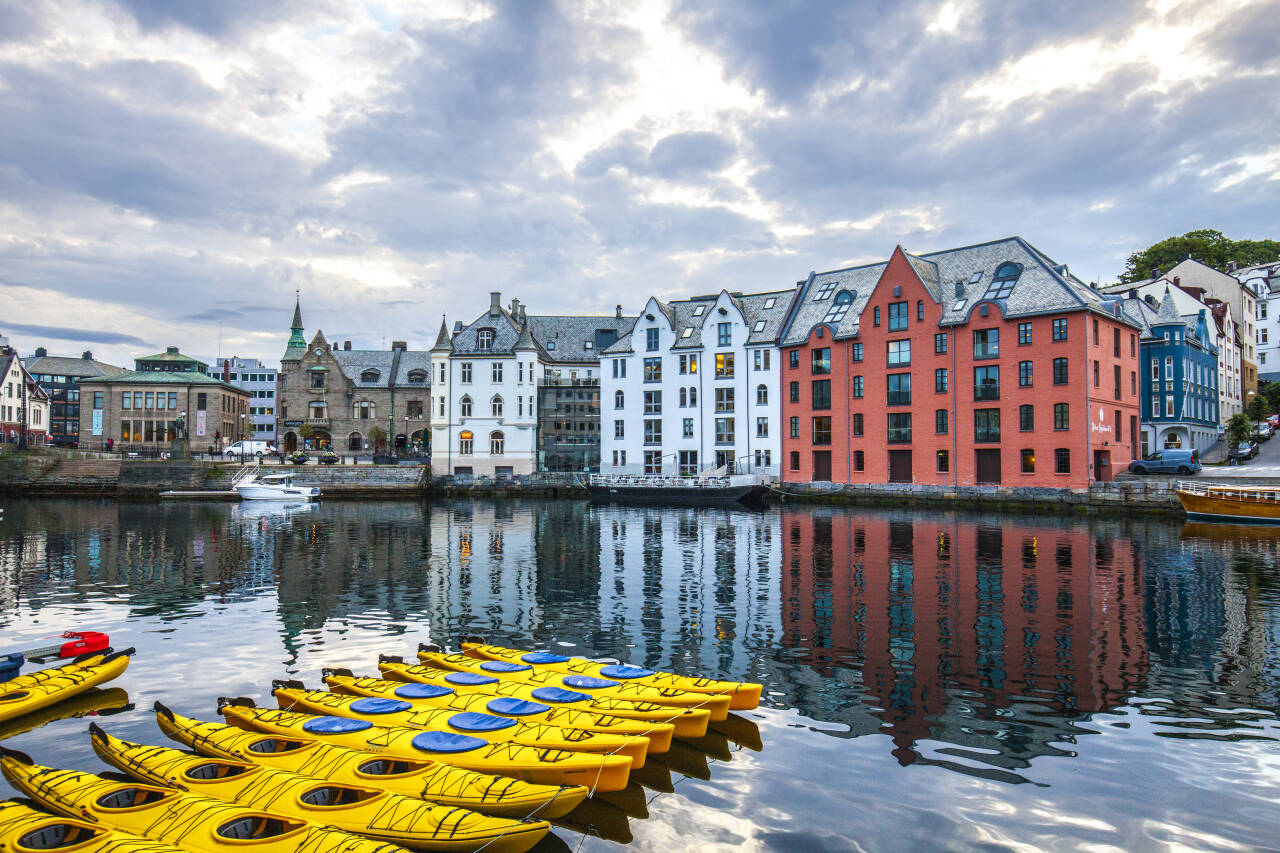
503, 666
471, 679
470, 721
422, 691
446, 742
543, 657
624, 670
558, 695
335, 726
379, 705
510, 706
586, 682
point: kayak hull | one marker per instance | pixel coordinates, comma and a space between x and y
28, 693
24, 828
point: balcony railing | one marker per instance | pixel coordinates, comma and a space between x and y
899, 398
900, 435
318, 422
568, 382
987, 391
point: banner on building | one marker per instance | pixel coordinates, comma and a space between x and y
97, 421
200, 423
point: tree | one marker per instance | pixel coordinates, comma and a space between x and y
1257, 408
1239, 429
1270, 391
306, 431
1206, 245
377, 437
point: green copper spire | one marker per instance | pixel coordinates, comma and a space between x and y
296, 339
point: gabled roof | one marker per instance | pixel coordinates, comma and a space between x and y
555, 337
160, 377
391, 366
687, 321
70, 366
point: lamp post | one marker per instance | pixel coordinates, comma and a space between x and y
406, 435
241, 439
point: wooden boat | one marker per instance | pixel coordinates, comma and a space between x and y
1229, 502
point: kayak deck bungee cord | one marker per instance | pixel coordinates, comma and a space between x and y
46, 687
411, 823
744, 695
23, 828
687, 722
453, 699
192, 823
544, 766
422, 778
293, 696
717, 705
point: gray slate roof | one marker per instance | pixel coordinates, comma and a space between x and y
70, 366
354, 362
681, 314
558, 338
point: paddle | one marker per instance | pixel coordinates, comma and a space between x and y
80, 643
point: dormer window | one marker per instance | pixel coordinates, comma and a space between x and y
484, 340
369, 377
417, 377
1003, 281
839, 308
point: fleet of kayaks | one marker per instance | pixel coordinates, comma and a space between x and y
463, 752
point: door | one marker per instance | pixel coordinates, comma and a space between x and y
987, 466
822, 465
1102, 465
899, 466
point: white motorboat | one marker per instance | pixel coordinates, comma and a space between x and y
253, 486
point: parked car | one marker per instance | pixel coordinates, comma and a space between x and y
1167, 462
1242, 452
328, 457
299, 458
256, 449
1263, 430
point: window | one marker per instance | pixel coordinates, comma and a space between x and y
762, 395
899, 353
97, 399
496, 443
824, 290
693, 363
839, 308
762, 427
684, 397
1060, 329
1168, 374
619, 400
857, 352
986, 343
986, 425
1062, 460
1025, 374
126, 400
794, 389
688, 463
1061, 416
464, 406
762, 359
317, 379
1024, 334
794, 427
795, 460
1115, 342
724, 334
875, 314
693, 397
940, 380
653, 402
944, 461
857, 423
653, 370
940, 343
820, 361
724, 399
1133, 382
653, 461
920, 310
1027, 418
443, 375
897, 316
859, 460
1028, 457
495, 406
986, 383
899, 385
822, 429
619, 368
619, 429
1133, 345
465, 442
364, 412
1059, 371
1097, 376
899, 427
857, 387
940, 422
724, 431
724, 365
441, 407
1115, 380
495, 372
821, 393
651, 340
686, 428
1168, 407
653, 431
794, 358
465, 370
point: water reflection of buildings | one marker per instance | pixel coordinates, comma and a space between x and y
965, 632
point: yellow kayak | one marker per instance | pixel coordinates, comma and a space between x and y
687, 722
23, 828
487, 727
376, 814
744, 695
93, 701
422, 778
194, 824
543, 766
450, 699
716, 705
28, 693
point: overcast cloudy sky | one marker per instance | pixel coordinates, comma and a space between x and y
172, 167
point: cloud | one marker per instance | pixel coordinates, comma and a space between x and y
74, 333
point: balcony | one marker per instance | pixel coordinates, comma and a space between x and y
987, 391
899, 435
568, 382
317, 422
899, 398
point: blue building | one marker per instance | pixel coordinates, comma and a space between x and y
1179, 386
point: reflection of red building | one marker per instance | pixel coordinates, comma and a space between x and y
929, 608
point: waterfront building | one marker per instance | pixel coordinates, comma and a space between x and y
984, 365
260, 381
352, 401
1264, 281
515, 392
136, 410
24, 405
692, 387
60, 378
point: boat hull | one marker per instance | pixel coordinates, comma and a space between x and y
674, 494
1212, 507
259, 492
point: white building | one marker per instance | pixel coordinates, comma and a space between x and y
694, 386
260, 381
24, 405
1264, 280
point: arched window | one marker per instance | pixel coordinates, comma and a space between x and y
693, 396
1003, 281
355, 441
496, 443
496, 405
369, 377
762, 395
484, 340
618, 399
839, 307
464, 405
417, 377
465, 442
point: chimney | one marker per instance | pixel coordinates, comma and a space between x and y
1133, 293
1231, 266
346, 345
618, 312
1177, 281
515, 308
86, 355
1155, 272
495, 303
335, 346
399, 345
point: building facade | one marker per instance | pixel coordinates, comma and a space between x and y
515, 393
259, 381
984, 365
352, 401
1264, 281
24, 405
692, 387
60, 377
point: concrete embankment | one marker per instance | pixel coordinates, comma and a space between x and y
1141, 495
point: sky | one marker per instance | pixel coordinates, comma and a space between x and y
172, 172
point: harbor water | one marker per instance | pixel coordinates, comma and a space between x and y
932, 680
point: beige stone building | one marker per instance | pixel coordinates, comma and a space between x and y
343, 398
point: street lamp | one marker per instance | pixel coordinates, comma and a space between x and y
242, 438
406, 434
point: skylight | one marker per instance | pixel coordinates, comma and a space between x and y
836, 312
770, 302
699, 311
976, 277
758, 327
1003, 281
824, 290
687, 332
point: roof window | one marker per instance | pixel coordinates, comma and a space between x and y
770, 302
699, 310
758, 327
839, 308
1003, 281
369, 376
824, 290
687, 332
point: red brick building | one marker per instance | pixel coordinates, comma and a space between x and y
985, 365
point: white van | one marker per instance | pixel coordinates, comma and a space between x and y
256, 449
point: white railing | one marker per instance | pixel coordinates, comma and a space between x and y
244, 475
667, 481
1269, 494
